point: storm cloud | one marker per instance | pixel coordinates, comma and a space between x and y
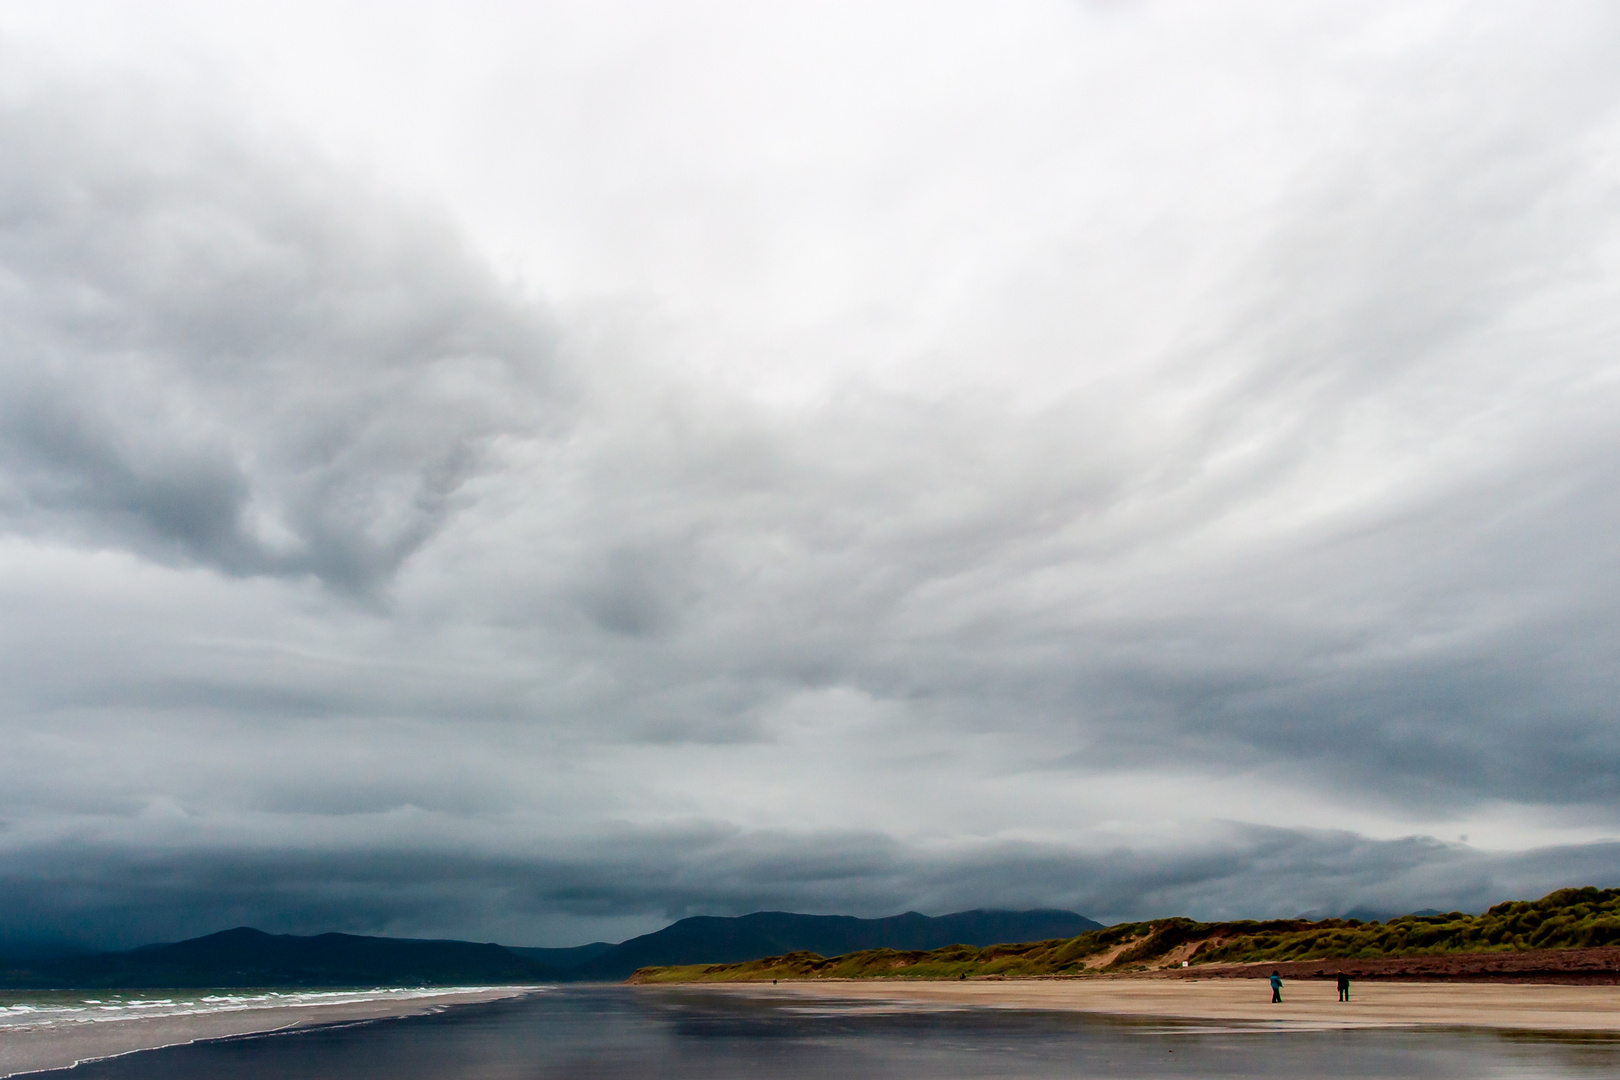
1204, 506
228, 359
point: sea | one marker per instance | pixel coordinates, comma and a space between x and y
57, 1008
689, 1033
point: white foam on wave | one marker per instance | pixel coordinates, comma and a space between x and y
57, 1008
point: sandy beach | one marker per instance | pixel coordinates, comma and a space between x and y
1524, 1006
26, 1049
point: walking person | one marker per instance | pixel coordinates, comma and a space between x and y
1276, 986
1344, 987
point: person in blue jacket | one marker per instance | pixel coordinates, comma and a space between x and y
1276, 986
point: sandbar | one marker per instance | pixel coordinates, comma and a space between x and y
57, 1046
1306, 1003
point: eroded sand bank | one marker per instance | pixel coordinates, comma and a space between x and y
33, 1049
1529, 1006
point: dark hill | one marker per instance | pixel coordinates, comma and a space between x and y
563, 959
246, 957
705, 939
1572, 935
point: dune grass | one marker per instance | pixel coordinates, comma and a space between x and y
1568, 918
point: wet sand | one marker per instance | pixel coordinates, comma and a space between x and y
1522, 1006
57, 1046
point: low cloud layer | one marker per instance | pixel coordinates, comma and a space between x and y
1223, 530
1233, 872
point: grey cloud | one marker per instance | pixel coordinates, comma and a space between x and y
1452, 652
1454, 646
249, 362
252, 363
1448, 642
1349, 535
636, 590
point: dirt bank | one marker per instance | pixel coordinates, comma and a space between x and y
1575, 967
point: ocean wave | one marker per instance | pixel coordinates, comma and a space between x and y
57, 1007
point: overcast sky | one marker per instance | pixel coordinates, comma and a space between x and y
536, 471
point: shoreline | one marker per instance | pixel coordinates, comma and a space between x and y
1306, 1003
25, 1049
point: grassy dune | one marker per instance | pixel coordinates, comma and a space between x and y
1568, 918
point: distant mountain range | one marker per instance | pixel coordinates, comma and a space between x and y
705, 939
245, 957
564, 959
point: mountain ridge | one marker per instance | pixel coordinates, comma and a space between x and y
709, 939
247, 957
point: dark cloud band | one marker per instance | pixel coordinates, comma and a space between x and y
104, 897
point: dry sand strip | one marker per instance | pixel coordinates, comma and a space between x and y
26, 1050
1522, 1006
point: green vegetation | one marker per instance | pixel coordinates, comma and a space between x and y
1568, 918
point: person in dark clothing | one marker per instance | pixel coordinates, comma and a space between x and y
1276, 986
1344, 987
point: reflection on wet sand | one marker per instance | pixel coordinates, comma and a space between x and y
1305, 1003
